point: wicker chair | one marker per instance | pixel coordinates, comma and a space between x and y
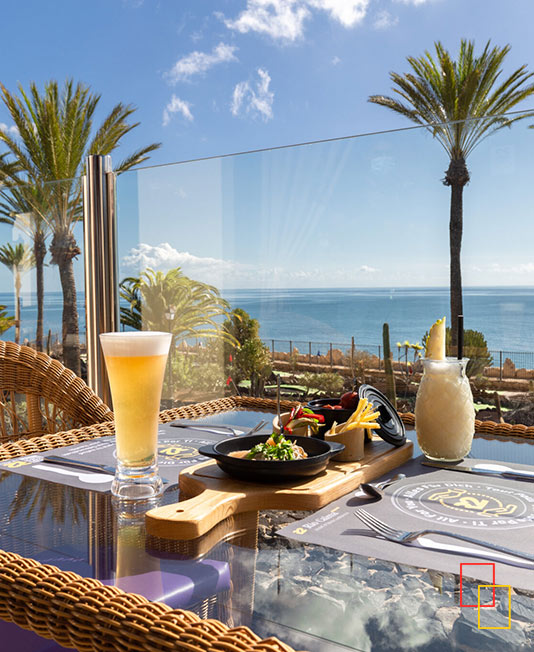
38, 396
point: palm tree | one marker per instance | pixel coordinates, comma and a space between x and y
25, 207
460, 103
5, 320
19, 259
55, 135
174, 303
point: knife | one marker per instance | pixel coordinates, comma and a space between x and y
85, 466
78, 464
483, 468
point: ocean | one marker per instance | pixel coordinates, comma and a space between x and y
323, 316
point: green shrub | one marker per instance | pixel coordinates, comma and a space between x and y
249, 358
330, 384
5, 320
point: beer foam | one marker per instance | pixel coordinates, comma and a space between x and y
135, 343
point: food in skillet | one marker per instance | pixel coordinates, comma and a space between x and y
276, 448
303, 416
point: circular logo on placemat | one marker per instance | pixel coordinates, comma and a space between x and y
466, 504
173, 452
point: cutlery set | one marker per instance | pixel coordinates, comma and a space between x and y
94, 473
406, 537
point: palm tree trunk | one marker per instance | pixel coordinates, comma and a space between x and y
457, 177
64, 249
17, 305
39, 253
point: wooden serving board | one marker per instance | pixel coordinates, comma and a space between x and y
212, 495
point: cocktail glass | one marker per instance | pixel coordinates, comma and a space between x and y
444, 410
135, 363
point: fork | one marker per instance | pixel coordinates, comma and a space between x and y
405, 537
207, 427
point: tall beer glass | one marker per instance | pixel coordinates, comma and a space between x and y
135, 363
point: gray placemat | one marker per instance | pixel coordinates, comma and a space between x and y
491, 509
177, 449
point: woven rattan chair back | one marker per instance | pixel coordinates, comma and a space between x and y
38, 396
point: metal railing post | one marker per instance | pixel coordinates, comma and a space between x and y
500, 365
101, 271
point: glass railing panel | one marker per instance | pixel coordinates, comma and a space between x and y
322, 244
41, 237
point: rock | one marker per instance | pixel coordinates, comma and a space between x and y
414, 582
522, 608
467, 635
383, 565
447, 616
319, 601
397, 631
508, 369
265, 581
337, 357
381, 580
524, 415
342, 590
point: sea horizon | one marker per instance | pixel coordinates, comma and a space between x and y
504, 314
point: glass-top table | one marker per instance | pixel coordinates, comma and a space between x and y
311, 597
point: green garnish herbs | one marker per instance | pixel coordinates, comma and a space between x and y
277, 447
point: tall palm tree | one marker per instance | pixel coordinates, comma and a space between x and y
25, 207
461, 103
18, 259
56, 133
174, 303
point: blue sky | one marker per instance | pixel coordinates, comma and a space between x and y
234, 75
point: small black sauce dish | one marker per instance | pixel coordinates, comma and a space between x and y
330, 415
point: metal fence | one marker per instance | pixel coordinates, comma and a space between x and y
502, 364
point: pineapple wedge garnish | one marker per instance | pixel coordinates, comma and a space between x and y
435, 343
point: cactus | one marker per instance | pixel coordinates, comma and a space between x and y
388, 367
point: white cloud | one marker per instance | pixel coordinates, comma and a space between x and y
284, 19
176, 105
228, 273
258, 101
347, 12
367, 269
384, 20
335, 61
498, 268
164, 257
200, 62
11, 131
279, 19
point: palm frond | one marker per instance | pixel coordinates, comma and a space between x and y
460, 101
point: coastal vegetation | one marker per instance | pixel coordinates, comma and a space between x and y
54, 132
6, 321
460, 102
246, 356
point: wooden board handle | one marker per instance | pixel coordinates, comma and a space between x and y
194, 517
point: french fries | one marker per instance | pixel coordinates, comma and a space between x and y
363, 417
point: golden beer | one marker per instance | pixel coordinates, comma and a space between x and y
135, 363
136, 386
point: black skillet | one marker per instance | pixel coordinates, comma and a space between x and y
319, 454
